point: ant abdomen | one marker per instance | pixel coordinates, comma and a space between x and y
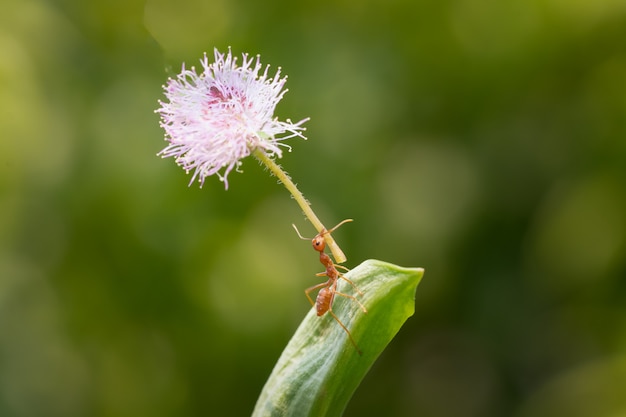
323, 301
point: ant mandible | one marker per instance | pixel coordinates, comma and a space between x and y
326, 296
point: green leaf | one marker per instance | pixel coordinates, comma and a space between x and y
320, 368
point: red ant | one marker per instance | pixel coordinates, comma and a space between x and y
324, 301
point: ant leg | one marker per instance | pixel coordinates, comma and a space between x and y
352, 298
342, 267
347, 331
350, 282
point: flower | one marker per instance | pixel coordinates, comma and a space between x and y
215, 119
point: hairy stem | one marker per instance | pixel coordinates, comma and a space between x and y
304, 204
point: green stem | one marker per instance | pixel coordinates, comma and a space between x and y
304, 205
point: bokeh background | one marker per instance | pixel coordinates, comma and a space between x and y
483, 140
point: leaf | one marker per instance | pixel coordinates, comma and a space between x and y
320, 368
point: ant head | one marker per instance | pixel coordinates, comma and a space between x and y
318, 242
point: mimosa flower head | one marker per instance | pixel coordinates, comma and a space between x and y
214, 119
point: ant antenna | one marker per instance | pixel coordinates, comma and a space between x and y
324, 231
336, 226
319, 242
298, 232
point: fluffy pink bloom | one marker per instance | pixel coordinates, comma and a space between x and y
214, 119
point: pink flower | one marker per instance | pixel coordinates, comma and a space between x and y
215, 119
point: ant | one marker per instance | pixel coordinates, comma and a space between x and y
326, 296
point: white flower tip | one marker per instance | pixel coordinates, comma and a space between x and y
214, 119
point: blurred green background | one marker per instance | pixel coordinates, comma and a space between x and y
483, 140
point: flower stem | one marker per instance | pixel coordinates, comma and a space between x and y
304, 205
